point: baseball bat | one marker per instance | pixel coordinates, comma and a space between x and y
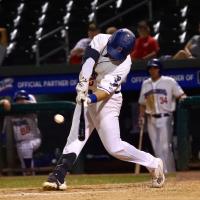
137, 166
81, 133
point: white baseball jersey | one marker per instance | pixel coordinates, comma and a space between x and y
103, 115
106, 75
25, 127
160, 96
26, 134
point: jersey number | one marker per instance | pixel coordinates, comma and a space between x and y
24, 130
163, 100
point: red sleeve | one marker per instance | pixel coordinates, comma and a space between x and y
135, 52
154, 45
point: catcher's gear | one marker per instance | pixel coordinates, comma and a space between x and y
120, 44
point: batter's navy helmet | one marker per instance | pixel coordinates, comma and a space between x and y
120, 44
154, 63
21, 94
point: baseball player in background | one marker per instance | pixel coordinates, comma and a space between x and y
106, 65
26, 132
5, 104
157, 100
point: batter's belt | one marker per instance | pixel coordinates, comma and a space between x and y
116, 92
159, 115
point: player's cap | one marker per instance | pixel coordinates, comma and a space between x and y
120, 44
154, 63
21, 94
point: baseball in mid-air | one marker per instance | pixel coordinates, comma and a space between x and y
59, 118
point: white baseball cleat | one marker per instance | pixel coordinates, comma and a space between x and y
158, 177
53, 184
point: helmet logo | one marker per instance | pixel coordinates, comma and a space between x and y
119, 49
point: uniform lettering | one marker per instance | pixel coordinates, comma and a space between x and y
163, 100
156, 91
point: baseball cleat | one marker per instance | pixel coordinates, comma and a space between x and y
53, 183
158, 178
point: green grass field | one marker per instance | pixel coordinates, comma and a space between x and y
36, 181
179, 186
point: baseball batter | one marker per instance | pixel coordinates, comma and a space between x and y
157, 99
26, 133
107, 63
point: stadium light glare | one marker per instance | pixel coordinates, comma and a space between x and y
20, 8
183, 25
45, 7
156, 26
91, 17
182, 37
10, 47
17, 20
41, 19
118, 3
39, 33
69, 5
94, 4
184, 11
13, 34
66, 18
156, 37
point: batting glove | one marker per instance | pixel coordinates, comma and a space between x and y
88, 99
80, 96
82, 86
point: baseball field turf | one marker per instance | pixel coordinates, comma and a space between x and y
179, 186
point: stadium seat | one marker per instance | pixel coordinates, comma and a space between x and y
25, 20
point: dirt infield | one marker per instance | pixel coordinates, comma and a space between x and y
185, 186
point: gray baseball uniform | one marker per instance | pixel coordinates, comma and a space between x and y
26, 134
159, 97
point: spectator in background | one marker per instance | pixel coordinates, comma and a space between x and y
3, 44
111, 30
78, 51
146, 46
26, 132
3, 37
192, 48
6, 104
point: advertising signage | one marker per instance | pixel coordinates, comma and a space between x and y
52, 84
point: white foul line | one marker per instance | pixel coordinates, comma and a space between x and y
54, 193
